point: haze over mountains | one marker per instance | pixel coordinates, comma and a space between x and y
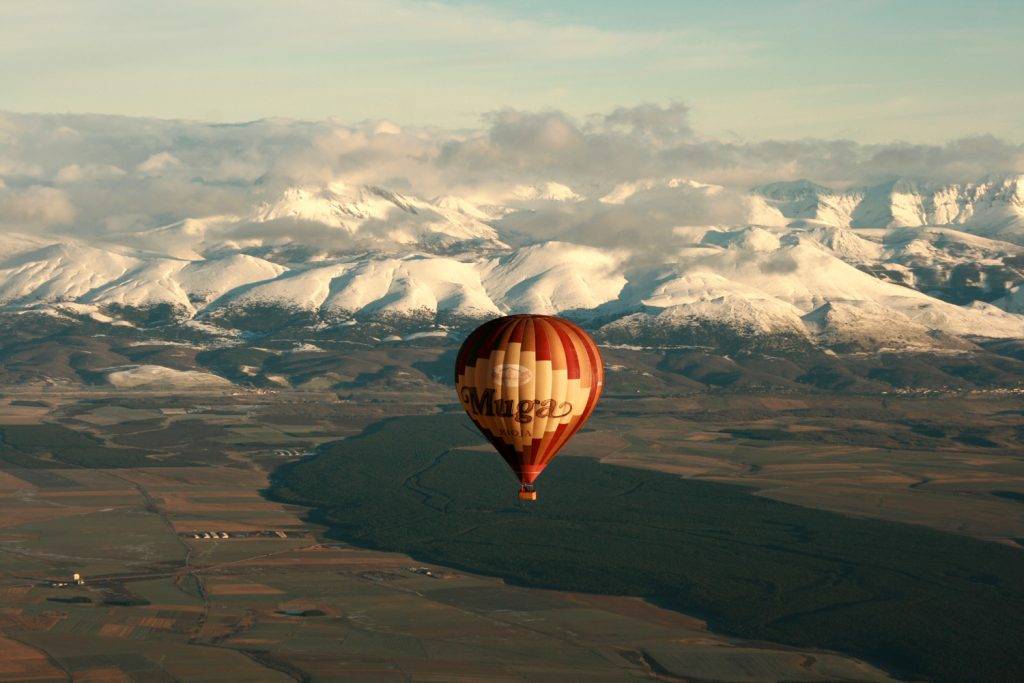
285, 224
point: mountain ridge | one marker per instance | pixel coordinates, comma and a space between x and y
992, 206
366, 253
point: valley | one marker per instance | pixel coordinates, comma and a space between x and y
114, 484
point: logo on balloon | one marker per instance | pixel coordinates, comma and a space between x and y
511, 375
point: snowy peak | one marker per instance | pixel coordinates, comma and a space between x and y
377, 215
993, 206
753, 280
865, 325
64, 270
623, 191
845, 243
451, 202
550, 278
338, 205
205, 281
554, 277
787, 261
423, 285
68, 271
546, 192
807, 203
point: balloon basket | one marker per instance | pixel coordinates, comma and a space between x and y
527, 493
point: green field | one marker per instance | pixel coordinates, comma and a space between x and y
52, 445
922, 603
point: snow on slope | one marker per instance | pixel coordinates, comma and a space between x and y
418, 284
553, 277
753, 280
715, 321
13, 244
866, 325
993, 206
846, 244
59, 271
451, 202
334, 217
440, 258
186, 285
300, 289
546, 192
377, 213
410, 286
548, 278
69, 270
90, 311
208, 280
803, 273
944, 245
158, 376
152, 283
709, 295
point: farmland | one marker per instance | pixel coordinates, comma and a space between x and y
159, 604
756, 567
397, 551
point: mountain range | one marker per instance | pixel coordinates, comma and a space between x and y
992, 207
896, 266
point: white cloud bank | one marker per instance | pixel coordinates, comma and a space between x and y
94, 174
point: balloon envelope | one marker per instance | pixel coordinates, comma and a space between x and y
529, 382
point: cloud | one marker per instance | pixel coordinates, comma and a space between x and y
657, 141
969, 157
34, 207
75, 173
518, 141
657, 124
157, 163
113, 174
652, 223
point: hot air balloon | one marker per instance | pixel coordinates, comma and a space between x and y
529, 382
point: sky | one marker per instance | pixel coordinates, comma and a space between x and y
873, 71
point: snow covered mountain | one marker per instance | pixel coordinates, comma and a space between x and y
309, 222
793, 270
992, 207
755, 283
374, 213
548, 191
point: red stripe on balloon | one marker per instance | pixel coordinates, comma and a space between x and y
572, 363
542, 341
488, 341
596, 378
518, 330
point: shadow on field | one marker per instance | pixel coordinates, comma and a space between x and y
919, 602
